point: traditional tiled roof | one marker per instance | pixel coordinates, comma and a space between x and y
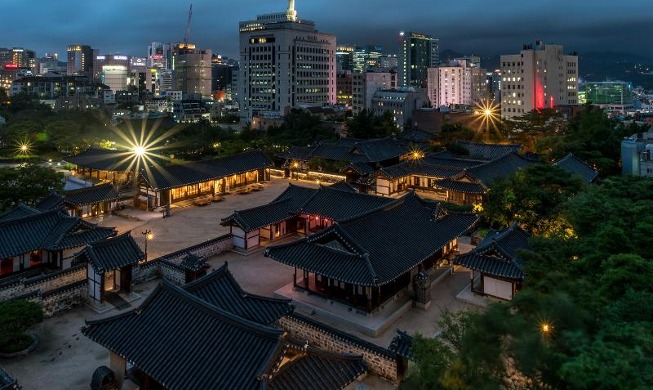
338, 205
276, 211
318, 370
350, 149
497, 254
220, 289
417, 167
380, 149
575, 166
20, 211
7, 382
343, 186
171, 176
112, 253
369, 250
417, 136
102, 159
460, 186
361, 168
51, 202
488, 151
447, 159
328, 202
402, 344
50, 230
192, 262
184, 342
90, 195
505, 165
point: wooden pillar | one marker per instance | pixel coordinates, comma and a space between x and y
119, 366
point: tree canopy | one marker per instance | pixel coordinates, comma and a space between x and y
27, 184
584, 318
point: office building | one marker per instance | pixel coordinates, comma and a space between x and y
19, 57
80, 60
366, 57
284, 61
540, 76
365, 84
401, 103
191, 70
418, 53
345, 58
113, 70
159, 55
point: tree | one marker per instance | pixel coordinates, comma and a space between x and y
17, 316
367, 125
27, 184
533, 196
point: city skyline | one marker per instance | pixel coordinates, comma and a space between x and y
119, 27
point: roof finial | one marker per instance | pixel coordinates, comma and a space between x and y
291, 14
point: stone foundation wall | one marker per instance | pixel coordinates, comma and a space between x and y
64, 299
380, 361
167, 266
44, 283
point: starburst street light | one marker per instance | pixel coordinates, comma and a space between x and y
23, 148
486, 112
139, 151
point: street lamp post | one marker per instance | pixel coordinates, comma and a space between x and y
148, 236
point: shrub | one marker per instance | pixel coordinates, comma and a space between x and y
16, 316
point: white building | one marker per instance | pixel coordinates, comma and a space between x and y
114, 71
540, 76
365, 84
284, 61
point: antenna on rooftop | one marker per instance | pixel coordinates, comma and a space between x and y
190, 17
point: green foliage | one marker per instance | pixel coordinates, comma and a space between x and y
27, 184
300, 128
17, 316
533, 196
367, 125
594, 292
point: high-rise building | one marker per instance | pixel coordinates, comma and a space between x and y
284, 61
461, 82
540, 76
418, 53
365, 84
113, 70
366, 57
80, 60
159, 55
191, 70
345, 58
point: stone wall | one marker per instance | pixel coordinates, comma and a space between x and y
64, 298
43, 283
167, 266
380, 361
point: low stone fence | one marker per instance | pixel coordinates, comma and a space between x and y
168, 267
43, 283
380, 361
64, 298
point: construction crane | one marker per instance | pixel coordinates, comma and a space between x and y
190, 16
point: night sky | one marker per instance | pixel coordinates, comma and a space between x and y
468, 26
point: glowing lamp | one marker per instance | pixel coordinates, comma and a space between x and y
23, 148
150, 236
139, 150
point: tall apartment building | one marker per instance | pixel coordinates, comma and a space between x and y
80, 60
462, 81
284, 61
540, 76
192, 70
419, 52
365, 84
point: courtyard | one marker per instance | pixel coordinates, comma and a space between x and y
66, 359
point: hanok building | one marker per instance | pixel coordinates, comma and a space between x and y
109, 165
355, 158
365, 260
496, 267
165, 185
109, 265
576, 166
213, 335
31, 239
90, 201
449, 178
298, 210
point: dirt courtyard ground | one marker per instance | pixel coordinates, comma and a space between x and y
66, 359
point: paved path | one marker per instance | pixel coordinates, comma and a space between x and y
67, 359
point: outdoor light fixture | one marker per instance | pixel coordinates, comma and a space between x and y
147, 233
139, 151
